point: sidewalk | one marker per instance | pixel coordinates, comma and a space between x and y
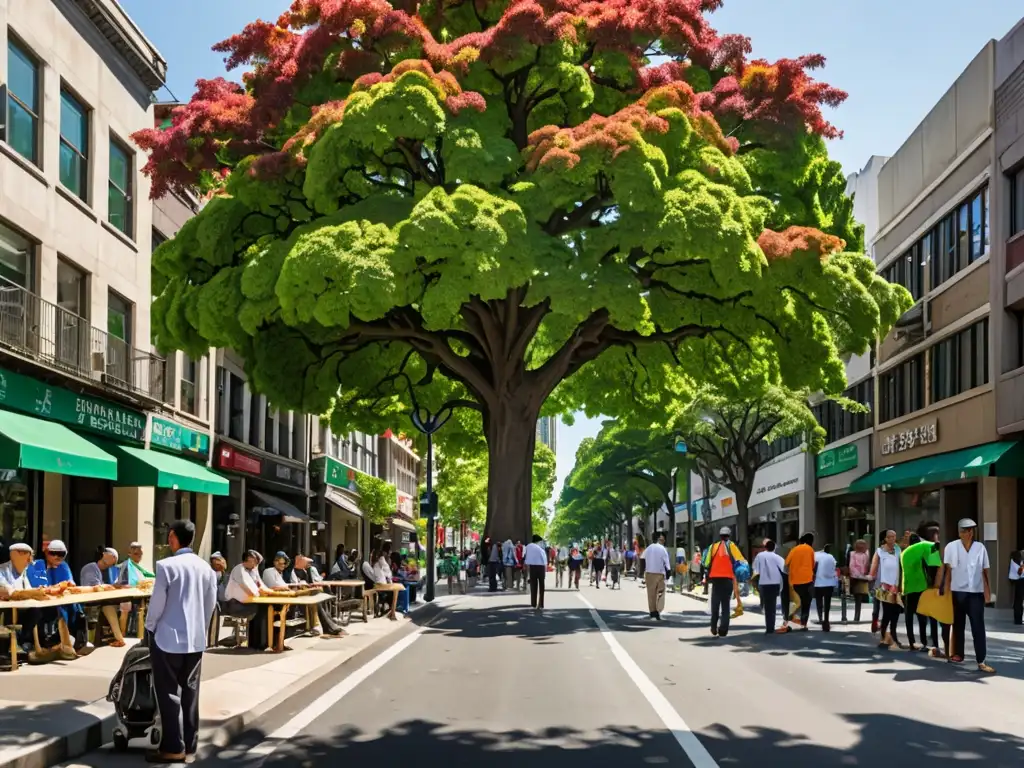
51, 713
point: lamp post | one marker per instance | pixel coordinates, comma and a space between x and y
428, 423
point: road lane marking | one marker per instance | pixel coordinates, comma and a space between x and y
672, 720
321, 705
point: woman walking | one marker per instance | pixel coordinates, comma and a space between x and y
615, 561
885, 566
597, 563
575, 567
860, 582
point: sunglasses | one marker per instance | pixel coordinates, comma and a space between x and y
58, 555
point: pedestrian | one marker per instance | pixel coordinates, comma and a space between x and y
966, 567
615, 561
575, 566
876, 605
722, 557
536, 562
914, 572
182, 604
1017, 583
800, 564
561, 563
885, 567
508, 560
680, 570
630, 555
641, 565
860, 585
695, 568
826, 579
599, 555
521, 574
656, 567
493, 563
768, 568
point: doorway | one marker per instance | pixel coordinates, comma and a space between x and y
90, 523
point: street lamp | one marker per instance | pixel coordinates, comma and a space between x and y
428, 423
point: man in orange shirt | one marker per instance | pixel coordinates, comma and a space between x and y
721, 559
800, 565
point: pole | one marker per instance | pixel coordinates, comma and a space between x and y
691, 541
428, 593
672, 514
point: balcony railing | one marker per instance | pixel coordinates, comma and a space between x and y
35, 328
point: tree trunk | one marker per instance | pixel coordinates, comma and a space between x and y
743, 523
511, 436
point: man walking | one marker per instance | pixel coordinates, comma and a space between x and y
966, 577
184, 597
768, 568
800, 564
537, 565
722, 558
656, 566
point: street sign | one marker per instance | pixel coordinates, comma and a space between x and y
428, 504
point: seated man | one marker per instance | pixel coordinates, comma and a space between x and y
104, 571
243, 584
19, 574
307, 573
131, 573
67, 620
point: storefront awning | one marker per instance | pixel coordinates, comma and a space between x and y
30, 443
337, 498
140, 467
1002, 459
405, 525
276, 506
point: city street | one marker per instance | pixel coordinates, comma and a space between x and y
488, 682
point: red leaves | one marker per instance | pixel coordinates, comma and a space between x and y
799, 241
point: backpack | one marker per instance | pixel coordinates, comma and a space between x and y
740, 568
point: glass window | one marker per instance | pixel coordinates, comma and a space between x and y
188, 381
74, 145
71, 283
236, 398
977, 227
255, 401
901, 389
268, 430
284, 442
119, 317
963, 235
15, 521
119, 192
157, 239
298, 428
960, 362
1017, 202
22, 101
17, 258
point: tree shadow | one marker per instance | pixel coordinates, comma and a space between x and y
849, 648
32, 728
880, 739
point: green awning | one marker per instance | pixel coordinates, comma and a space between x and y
30, 443
140, 467
1002, 459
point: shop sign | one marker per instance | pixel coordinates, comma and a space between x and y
835, 461
405, 505
177, 437
229, 458
22, 393
778, 479
282, 473
339, 475
906, 439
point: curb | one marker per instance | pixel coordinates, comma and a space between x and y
55, 750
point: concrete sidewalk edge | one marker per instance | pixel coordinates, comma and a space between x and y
59, 749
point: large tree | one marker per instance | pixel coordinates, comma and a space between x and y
477, 199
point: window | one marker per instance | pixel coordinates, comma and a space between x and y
17, 258
157, 239
960, 362
781, 446
298, 430
74, 145
72, 302
908, 271
119, 189
284, 442
901, 389
268, 430
960, 238
119, 317
22, 101
236, 397
254, 419
838, 422
187, 385
1017, 201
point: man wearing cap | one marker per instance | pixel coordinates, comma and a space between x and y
18, 574
722, 557
966, 565
104, 571
54, 563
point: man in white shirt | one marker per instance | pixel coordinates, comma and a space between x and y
274, 576
825, 583
1017, 583
656, 566
768, 569
536, 561
966, 566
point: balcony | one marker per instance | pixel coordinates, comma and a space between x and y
34, 328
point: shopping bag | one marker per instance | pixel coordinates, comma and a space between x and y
935, 606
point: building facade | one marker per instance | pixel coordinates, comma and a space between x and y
547, 431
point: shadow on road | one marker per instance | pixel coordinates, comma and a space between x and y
880, 739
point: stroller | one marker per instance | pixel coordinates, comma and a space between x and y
134, 699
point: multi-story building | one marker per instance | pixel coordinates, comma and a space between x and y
547, 431
79, 383
936, 448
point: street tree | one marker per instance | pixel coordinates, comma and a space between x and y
477, 199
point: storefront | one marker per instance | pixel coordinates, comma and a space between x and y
843, 517
777, 503
711, 514
270, 502
337, 506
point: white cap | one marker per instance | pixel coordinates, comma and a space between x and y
56, 545
110, 551
726, 531
134, 545
217, 556
19, 547
966, 522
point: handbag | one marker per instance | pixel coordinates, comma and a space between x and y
936, 606
858, 587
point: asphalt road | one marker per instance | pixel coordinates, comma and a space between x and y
594, 681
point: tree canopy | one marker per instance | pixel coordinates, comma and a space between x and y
480, 198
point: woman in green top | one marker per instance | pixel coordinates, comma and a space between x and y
920, 565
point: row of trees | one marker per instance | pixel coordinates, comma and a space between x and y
506, 206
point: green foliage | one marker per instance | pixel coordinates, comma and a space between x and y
377, 498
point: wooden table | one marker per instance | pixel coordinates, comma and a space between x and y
279, 606
357, 585
394, 589
85, 598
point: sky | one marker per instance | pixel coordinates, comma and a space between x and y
894, 57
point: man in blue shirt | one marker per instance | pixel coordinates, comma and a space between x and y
67, 619
183, 601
